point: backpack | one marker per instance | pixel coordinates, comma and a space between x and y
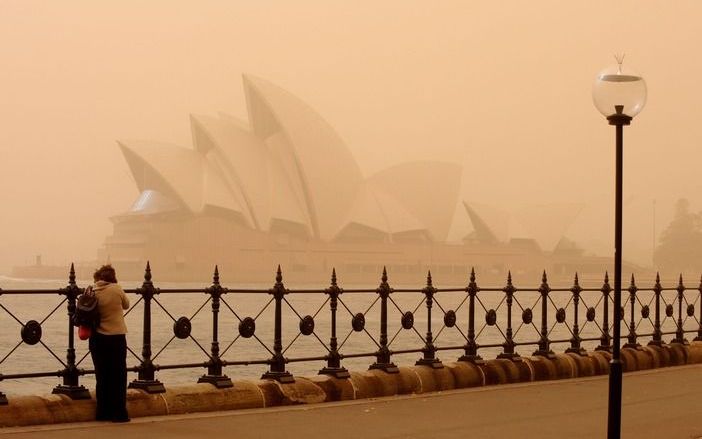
87, 313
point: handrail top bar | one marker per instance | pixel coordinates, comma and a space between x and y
226, 290
58, 291
170, 290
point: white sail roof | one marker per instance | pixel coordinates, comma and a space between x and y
288, 170
427, 189
377, 210
169, 169
316, 158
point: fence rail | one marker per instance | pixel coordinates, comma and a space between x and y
494, 320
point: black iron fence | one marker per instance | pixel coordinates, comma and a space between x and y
485, 320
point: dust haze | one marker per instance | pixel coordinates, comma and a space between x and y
501, 88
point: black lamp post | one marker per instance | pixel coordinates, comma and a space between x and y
619, 95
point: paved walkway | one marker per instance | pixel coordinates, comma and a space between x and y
663, 403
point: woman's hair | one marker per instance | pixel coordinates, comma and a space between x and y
105, 273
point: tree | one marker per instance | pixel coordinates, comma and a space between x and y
680, 244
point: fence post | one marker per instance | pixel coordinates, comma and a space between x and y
544, 349
277, 362
631, 338
699, 330
429, 350
575, 346
3, 397
214, 367
657, 339
605, 339
70, 373
382, 356
679, 334
334, 359
146, 379
471, 348
508, 345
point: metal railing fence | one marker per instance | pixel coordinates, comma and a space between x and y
470, 320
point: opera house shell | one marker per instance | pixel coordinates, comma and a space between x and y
285, 189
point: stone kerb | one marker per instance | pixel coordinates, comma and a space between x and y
32, 410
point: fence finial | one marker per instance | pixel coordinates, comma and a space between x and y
278, 275
72, 275
333, 277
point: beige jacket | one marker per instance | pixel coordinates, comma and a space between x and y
111, 301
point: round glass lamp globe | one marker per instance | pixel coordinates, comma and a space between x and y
619, 86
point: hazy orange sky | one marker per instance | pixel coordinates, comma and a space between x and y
502, 87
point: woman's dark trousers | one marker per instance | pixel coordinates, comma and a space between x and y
109, 353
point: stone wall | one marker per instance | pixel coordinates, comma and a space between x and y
32, 410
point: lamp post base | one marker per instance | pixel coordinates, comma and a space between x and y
614, 415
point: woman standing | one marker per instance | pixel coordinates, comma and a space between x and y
108, 347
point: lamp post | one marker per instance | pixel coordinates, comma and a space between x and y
619, 95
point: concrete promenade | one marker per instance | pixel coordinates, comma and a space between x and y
659, 403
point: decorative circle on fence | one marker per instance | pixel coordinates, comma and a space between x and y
407, 320
450, 318
527, 316
590, 314
560, 315
358, 322
690, 310
247, 327
31, 332
307, 325
645, 311
491, 317
669, 310
182, 327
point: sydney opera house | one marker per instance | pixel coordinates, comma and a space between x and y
283, 188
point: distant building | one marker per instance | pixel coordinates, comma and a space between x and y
285, 189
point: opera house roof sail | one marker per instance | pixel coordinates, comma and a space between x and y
283, 188
289, 169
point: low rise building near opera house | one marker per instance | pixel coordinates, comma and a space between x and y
285, 189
